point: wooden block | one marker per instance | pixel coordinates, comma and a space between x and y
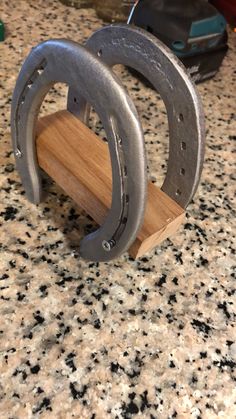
79, 162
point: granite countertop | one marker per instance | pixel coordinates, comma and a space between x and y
152, 338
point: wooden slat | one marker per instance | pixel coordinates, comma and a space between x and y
79, 161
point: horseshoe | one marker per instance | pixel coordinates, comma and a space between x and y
136, 48
67, 62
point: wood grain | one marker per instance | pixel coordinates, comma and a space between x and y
79, 162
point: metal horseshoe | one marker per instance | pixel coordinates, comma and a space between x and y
67, 62
136, 48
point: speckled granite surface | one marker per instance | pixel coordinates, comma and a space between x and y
154, 338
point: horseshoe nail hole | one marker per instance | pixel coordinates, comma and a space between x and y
75, 100
125, 170
99, 53
23, 100
30, 84
40, 70
183, 145
182, 171
119, 140
180, 117
178, 192
126, 199
124, 220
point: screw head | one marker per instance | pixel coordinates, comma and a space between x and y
108, 245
